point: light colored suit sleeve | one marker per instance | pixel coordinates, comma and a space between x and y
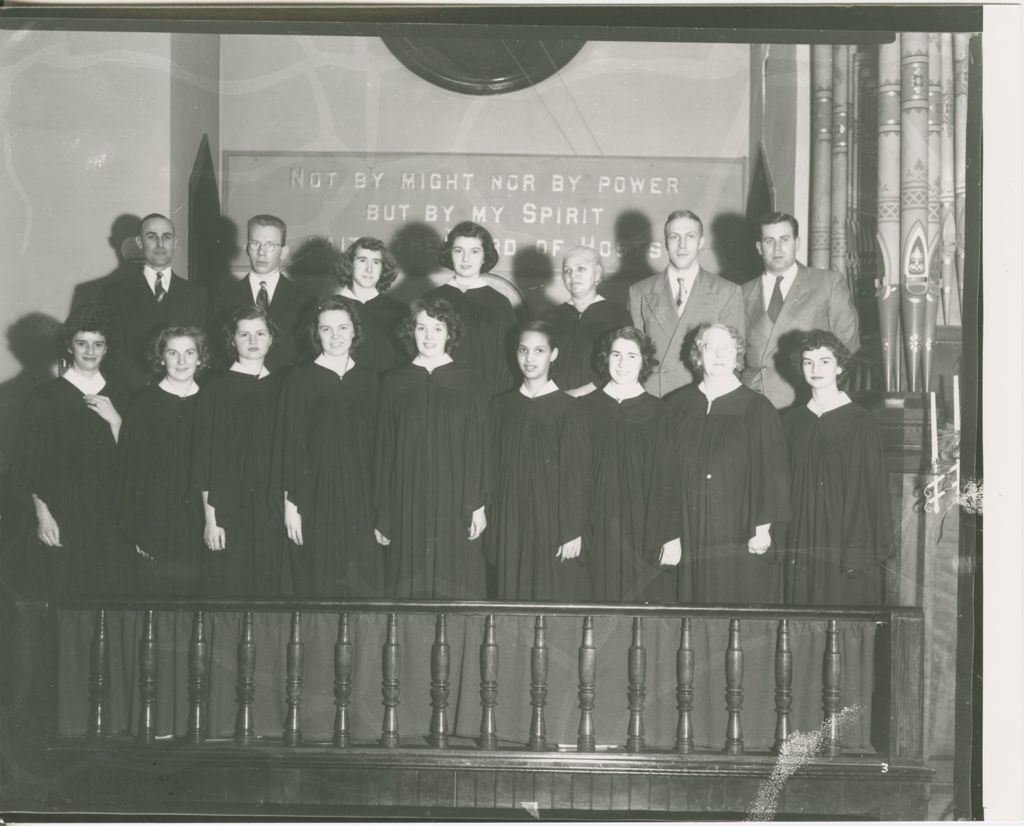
734, 313
842, 315
635, 300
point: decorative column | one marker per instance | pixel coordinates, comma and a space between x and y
821, 157
932, 297
887, 285
951, 310
961, 68
840, 130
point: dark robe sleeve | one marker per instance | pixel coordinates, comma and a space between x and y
384, 459
202, 441
769, 481
32, 453
572, 458
867, 517
665, 503
290, 458
478, 457
133, 459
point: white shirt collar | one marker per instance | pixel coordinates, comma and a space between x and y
324, 361
349, 293
419, 362
270, 279
166, 386
150, 275
689, 275
597, 299
818, 411
237, 368
90, 386
725, 390
768, 282
550, 387
621, 394
463, 285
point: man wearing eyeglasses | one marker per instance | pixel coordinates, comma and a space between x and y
266, 286
144, 303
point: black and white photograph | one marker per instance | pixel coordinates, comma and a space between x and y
505, 413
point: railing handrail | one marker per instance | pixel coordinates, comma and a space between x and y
885, 614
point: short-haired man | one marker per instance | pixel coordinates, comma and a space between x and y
787, 300
142, 304
671, 304
266, 286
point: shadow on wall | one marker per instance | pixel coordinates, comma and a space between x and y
733, 245
122, 240
633, 237
534, 272
315, 264
415, 247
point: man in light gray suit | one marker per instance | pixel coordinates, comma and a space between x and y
671, 304
787, 300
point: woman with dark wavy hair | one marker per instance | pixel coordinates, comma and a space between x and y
232, 448
622, 422
323, 460
842, 527
489, 319
722, 482
431, 464
366, 271
66, 461
158, 511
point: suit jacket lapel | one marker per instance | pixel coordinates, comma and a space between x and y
662, 303
757, 314
794, 300
698, 300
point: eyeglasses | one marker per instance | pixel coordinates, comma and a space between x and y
264, 246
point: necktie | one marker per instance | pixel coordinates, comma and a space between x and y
775, 304
158, 288
681, 295
263, 298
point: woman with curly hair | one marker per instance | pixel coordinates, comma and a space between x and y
487, 315
431, 464
622, 422
66, 461
323, 460
842, 527
722, 481
158, 511
232, 449
366, 271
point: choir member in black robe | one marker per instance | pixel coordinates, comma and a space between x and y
842, 527
581, 322
488, 317
323, 461
157, 510
431, 462
721, 483
366, 271
622, 422
231, 457
536, 511
66, 460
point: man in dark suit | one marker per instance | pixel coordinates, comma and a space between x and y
142, 304
671, 304
265, 285
787, 300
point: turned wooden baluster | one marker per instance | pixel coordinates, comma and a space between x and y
488, 686
99, 667
342, 682
198, 679
147, 678
538, 686
245, 687
684, 689
734, 690
390, 666
831, 672
293, 684
783, 683
585, 738
440, 664
637, 675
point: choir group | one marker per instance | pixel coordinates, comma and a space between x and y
359, 448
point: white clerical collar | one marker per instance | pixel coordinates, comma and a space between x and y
90, 385
348, 292
620, 393
597, 299
431, 366
238, 368
328, 362
689, 275
728, 385
550, 387
464, 284
191, 390
819, 410
150, 275
270, 279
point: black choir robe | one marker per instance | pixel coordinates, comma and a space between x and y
487, 345
578, 335
231, 458
431, 464
323, 458
721, 473
622, 441
157, 510
137, 318
842, 526
380, 348
66, 455
537, 502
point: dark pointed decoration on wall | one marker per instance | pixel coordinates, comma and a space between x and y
483, 65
